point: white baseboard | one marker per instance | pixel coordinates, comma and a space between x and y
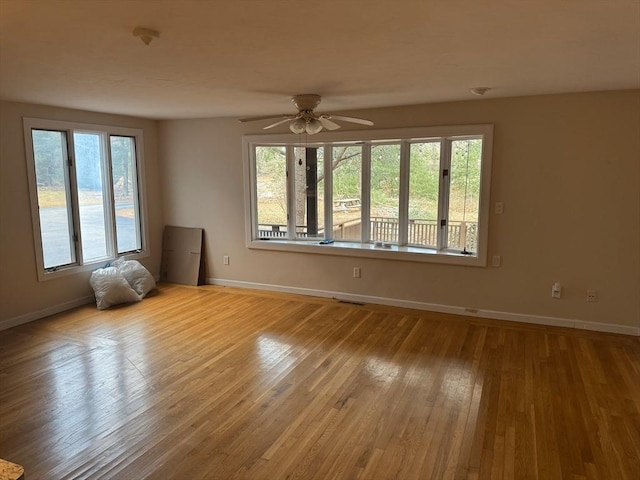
31, 316
434, 307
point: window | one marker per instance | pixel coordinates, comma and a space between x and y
346, 162
85, 195
418, 194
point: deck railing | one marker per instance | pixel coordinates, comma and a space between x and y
462, 235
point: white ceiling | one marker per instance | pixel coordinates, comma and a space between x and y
247, 57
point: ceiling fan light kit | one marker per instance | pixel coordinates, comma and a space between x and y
298, 126
307, 121
313, 126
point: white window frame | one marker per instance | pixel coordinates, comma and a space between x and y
405, 137
69, 128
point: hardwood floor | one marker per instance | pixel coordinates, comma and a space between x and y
221, 383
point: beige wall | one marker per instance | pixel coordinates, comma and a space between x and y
21, 294
567, 168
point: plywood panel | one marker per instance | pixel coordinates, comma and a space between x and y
181, 255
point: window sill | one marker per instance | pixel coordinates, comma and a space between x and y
364, 250
44, 275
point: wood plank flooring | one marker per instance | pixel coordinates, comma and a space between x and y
221, 383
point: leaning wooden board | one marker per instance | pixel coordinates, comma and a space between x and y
181, 255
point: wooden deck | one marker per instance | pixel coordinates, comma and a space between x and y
220, 383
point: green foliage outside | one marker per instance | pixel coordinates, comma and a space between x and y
424, 180
385, 180
464, 196
271, 175
346, 175
49, 151
50, 164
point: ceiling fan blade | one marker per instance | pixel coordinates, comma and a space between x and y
267, 117
361, 121
280, 122
328, 124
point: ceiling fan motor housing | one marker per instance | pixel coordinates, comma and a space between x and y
307, 101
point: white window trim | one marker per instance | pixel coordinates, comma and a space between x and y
46, 124
356, 249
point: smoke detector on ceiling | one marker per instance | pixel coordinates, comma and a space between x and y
479, 91
145, 34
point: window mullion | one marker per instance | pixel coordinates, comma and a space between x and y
253, 175
403, 200
366, 193
291, 188
137, 200
443, 193
328, 192
108, 198
74, 202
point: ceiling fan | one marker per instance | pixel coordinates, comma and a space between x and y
307, 121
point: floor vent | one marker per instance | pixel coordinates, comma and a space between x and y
349, 302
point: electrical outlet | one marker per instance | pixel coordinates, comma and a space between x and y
592, 296
496, 261
499, 208
225, 259
356, 272
556, 290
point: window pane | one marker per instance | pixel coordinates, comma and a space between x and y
347, 193
464, 196
271, 191
89, 175
50, 154
424, 176
125, 193
309, 191
385, 192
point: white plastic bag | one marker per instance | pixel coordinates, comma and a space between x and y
138, 277
111, 288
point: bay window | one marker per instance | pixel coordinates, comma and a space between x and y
419, 194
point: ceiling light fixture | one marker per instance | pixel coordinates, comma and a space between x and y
298, 126
479, 91
307, 121
310, 126
145, 34
313, 126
